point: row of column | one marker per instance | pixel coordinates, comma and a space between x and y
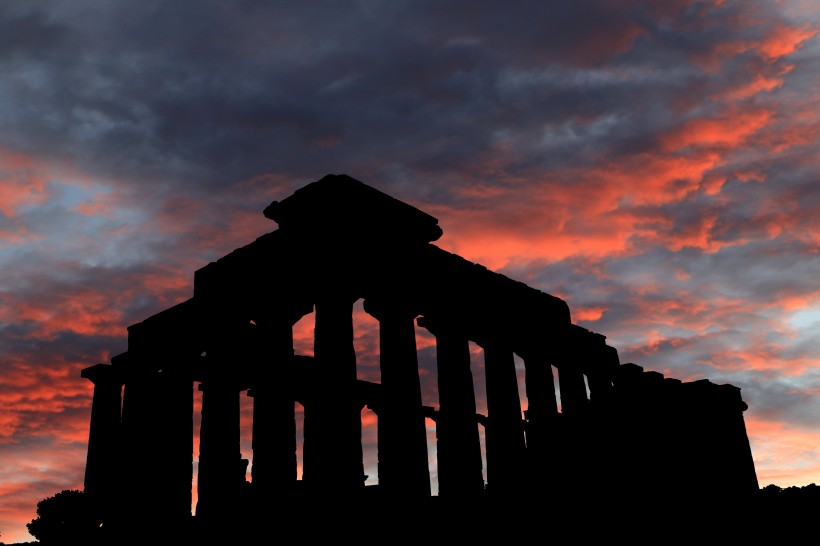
152, 435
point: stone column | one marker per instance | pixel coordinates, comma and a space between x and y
674, 418
627, 425
142, 454
591, 421
542, 407
505, 428
641, 409
332, 450
274, 418
655, 422
102, 461
221, 467
542, 426
572, 354
600, 364
573, 389
175, 435
402, 435
458, 441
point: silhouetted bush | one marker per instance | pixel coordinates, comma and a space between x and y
66, 518
805, 496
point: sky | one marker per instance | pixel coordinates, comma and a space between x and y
653, 164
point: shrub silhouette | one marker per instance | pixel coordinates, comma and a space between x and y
65, 518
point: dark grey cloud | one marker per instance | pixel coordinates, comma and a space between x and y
786, 400
209, 93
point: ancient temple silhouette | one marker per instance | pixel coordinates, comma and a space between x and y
620, 428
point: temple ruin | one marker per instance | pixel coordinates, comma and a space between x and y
338, 241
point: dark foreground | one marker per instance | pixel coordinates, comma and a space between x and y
773, 514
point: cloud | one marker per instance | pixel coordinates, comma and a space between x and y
652, 163
784, 456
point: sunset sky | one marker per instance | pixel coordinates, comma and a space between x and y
654, 164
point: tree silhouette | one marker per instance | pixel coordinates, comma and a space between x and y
65, 518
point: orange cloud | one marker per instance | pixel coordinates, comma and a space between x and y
795, 302
784, 455
584, 314
776, 41
594, 211
165, 284
303, 335
369, 419
802, 129
783, 40
729, 130
53, 406
22, 182
741, 90
85, 312
550, 225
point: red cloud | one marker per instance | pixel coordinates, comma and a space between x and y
741, 90
86, 313
592, 216
785, 456
591, 314
22, 182
771, 41
728, 130
783, 40
760, 354
46, 401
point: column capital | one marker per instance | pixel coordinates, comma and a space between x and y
381, 307
441, 326
102, 374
